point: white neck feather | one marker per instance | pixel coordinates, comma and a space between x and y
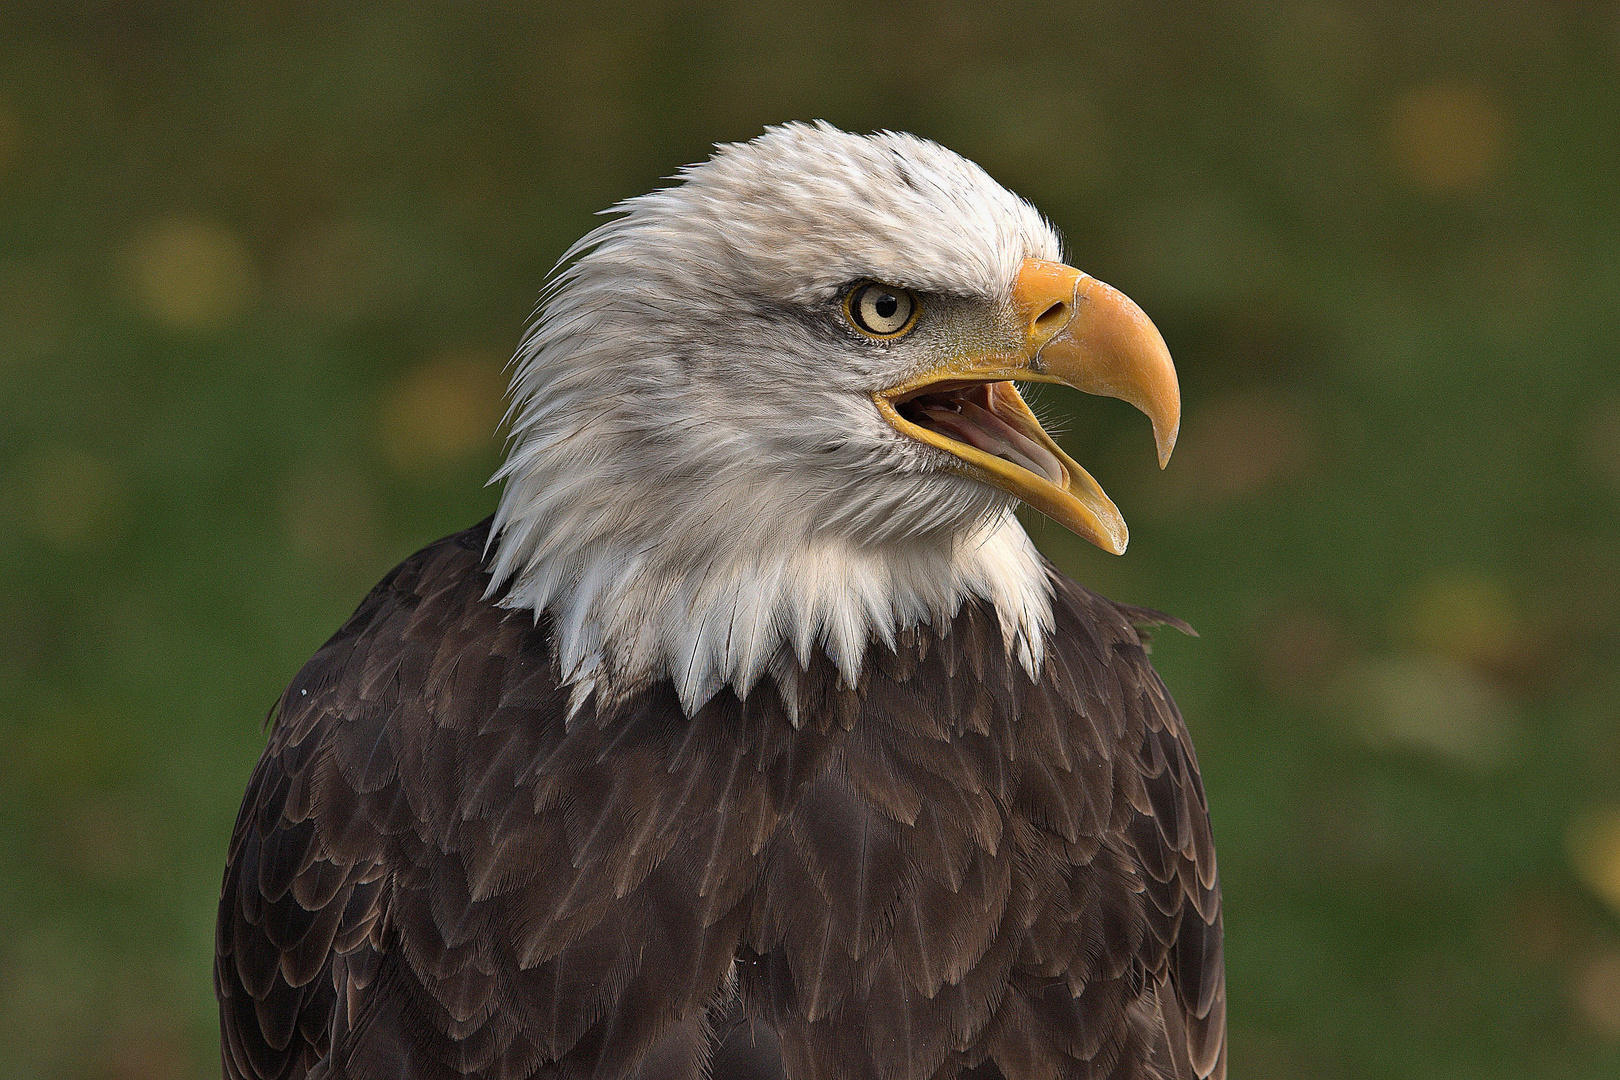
624, 618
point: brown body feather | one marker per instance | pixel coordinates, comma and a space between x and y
948, 870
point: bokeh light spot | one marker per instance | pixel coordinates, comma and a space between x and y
443, 413
1449, 137
1595, 993
71, 497
1433, 705
1464, 616
1601, 445
190, 274
1593, 841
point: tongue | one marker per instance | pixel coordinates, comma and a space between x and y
981, 428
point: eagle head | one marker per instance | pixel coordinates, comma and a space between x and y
771, 409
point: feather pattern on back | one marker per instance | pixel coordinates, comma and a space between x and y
947, 869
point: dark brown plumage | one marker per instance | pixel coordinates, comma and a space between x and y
947, 870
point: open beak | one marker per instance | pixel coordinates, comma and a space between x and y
1077, 331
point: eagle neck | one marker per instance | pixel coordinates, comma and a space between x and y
707, 617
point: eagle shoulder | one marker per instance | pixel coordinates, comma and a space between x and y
1164, 822
436, 873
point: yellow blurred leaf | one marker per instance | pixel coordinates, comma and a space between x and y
1432, 704
1602, 443
190, 274
1593, 840
443, 413
1595, 993
1464, 616
1449, 137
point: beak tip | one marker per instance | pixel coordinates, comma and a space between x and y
1166, 444
1115, 536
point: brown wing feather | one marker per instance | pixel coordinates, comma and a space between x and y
1169, 839
948, 869
433, 876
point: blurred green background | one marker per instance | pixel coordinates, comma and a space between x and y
261, 265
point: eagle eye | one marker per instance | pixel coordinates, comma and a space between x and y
881, 311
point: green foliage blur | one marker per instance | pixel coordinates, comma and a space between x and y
261, 265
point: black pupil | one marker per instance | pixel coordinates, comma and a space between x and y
887, 305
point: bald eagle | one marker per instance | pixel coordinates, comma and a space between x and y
751, 737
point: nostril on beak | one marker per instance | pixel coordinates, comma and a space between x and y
1052, 319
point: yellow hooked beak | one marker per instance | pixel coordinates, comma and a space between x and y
1076, 331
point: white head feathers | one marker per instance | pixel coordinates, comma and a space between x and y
699, 485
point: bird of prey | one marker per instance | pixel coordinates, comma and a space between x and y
751, 738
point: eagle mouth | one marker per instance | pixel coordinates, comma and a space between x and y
992, 436
1068, 328
983, 416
